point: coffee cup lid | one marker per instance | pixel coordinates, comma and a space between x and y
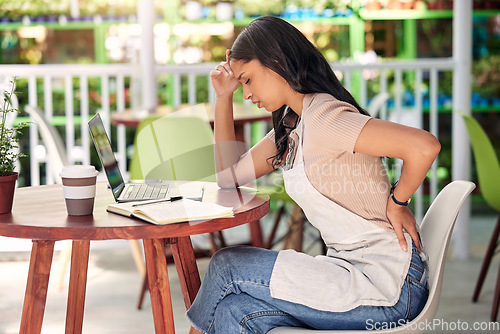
77, 171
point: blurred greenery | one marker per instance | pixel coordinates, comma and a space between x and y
486, 73
15, 9
260, 7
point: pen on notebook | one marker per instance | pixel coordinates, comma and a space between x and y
171, 199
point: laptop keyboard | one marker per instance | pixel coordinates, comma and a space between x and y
144, 190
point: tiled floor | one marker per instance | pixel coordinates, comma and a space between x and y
114, 284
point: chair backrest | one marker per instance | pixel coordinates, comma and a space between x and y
377, 103
487, 165
174, 147
135, 172
436, 229
435, 232
52, 141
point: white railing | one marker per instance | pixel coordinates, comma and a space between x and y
112, 81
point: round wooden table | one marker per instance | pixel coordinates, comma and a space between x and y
39, 213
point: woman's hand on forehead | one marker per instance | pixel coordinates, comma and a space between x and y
223, 79
224, 67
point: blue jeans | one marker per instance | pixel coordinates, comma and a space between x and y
234, 298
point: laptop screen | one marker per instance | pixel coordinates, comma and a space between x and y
106, 155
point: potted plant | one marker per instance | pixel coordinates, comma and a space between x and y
8, 143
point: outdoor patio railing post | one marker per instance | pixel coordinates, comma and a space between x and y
462, 56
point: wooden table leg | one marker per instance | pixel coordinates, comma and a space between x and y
77, 286
159, 286
36, 286
185, 263
256, 234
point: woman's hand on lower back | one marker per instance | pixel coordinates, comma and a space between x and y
402, 219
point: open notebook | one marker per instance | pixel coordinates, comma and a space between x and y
162, 213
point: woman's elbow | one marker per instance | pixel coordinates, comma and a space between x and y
431, 148
226, 185
225, 181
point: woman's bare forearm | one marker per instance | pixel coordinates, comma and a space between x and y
223, 119
416, 165
228, 150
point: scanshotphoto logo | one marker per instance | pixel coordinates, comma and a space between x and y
437, 326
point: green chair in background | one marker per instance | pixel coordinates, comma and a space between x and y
135, 172
488, 172
173, 147
179, 147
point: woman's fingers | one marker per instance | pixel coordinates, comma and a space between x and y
398, 228
224, 68
215, 73
402, 219
412, 231
223, 80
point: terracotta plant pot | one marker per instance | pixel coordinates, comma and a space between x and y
7, 187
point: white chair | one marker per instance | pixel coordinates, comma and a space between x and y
53, 151
52, 140
436, 229
377, 103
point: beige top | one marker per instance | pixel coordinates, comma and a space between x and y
357, 182
364, 264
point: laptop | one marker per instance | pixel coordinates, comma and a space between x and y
122, 191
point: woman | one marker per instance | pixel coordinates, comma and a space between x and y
330, 152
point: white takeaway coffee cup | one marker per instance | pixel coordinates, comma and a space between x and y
79, 182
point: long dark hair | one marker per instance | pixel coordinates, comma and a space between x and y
281, 47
